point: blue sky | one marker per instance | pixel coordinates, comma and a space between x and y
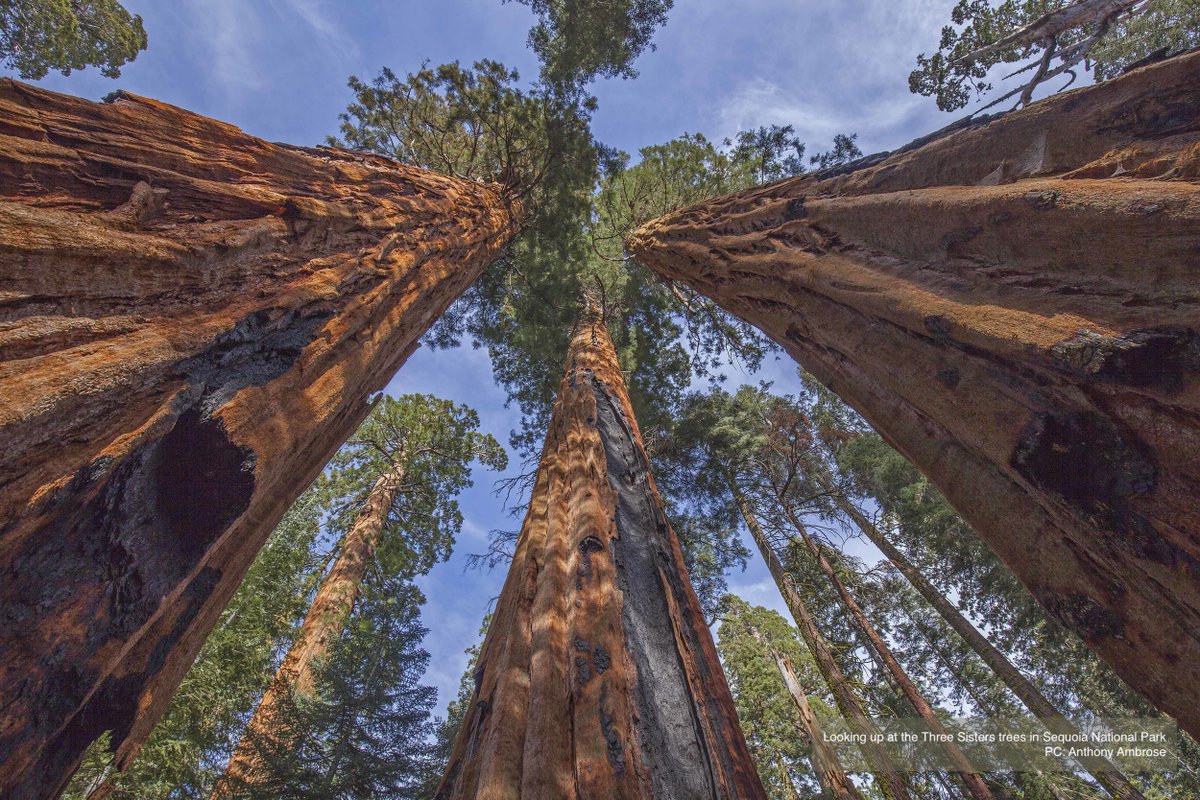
278, 69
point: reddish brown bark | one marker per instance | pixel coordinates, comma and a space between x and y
1103, 770
1013, 307
190, 322
324, 622
598, 677
890, 781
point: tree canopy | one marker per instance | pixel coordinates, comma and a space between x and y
37, 36
580, 40
1048, 38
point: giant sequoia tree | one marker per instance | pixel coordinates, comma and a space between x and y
598, 676
1010, 305
193, 319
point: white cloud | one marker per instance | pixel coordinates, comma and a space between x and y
321, 20
228, 34
845, 71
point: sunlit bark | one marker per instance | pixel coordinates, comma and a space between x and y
191, 322
598, 677
1012, 305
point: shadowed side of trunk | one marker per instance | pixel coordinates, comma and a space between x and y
1013, 306
598, 677
191, 320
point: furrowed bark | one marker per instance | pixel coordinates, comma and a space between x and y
826, 764
890, 781
1013, 306
191, 320
598, 677
1103, 770
323, 624
963, 768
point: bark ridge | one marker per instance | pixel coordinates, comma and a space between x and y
1013, 306
191, 321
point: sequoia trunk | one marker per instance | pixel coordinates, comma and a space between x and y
324, 623
1012, 305
1103, 770
191, 320
598, 677
890, 781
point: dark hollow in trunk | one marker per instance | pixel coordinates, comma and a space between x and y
191, 321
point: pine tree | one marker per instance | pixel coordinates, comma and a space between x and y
760, 651
364, 730
391, 490
1101, 769
37, 36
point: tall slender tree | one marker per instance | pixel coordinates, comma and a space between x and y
1100, 768
714, 441
394, 479
759, 650
890, 780
364, 728
598, 675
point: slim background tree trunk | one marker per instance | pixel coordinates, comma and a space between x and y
1012, 306
826, 765
962, 765
191, 320
598, 676
323, 624
1103, 770
890, 781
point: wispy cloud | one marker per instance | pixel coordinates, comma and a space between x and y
816, 120
227, 34
845, 72
321, 20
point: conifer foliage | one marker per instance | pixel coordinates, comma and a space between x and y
1048, 40
346, 715
38, 36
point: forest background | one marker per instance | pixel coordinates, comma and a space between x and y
278, 70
